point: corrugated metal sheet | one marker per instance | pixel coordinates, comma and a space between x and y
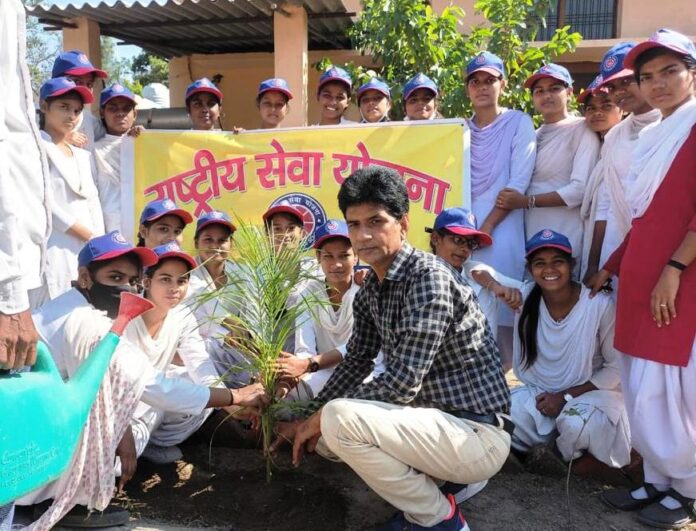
179, 27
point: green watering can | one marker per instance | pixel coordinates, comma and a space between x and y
41, 417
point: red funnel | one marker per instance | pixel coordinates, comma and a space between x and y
131, 307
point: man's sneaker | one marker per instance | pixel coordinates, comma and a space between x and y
462, 492
455, 522
162, 455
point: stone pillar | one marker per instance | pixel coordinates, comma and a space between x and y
290, 40
86, 38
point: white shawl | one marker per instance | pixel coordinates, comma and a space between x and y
653, 155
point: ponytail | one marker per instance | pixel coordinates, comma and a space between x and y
527, 327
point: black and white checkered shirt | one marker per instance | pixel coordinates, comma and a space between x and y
438, 348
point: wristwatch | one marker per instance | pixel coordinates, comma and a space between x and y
313, 366
568, 397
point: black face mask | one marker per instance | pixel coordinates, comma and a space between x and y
107, 298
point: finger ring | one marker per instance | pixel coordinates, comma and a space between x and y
663, 306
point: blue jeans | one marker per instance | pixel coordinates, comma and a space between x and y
6, 514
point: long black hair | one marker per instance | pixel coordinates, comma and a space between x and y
529, 318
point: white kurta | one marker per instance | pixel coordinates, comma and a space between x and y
107, 157
513, 163
572, 352
24, 190
619, 148
488, 302
567, 152
322, 330
74, 199
92, 127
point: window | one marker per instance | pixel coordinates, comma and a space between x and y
593, 19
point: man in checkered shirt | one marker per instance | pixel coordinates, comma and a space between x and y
435, 415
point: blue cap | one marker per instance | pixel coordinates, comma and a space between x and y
547, 238
62, 85
172, 250
110, 246
333, 228
214, 217
115, 91
203, 85
486, 62
164, 207
553, 71
335, 73
276, 84
662, 38
420, 81
592, 89
75, 63
612, 65
460, 221
374, 84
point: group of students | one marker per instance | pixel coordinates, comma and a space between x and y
520, 281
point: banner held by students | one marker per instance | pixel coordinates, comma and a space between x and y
246, 173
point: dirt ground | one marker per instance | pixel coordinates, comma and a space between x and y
229, 492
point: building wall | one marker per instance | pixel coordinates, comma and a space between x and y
242, 74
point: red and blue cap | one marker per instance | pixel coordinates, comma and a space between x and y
335, 73
214, 217
333, 228
115, 91
164, 207
460, 221
110, 246
592, 89
172, 250
486, 62
284, 207
374, 84
275, 84
420, 81
75, 63
547, 238
553, 71
662, 38
62, 85
203, 85
612, 65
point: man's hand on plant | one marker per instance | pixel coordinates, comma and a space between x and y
289, 366
285, 433
248, 402
306, 436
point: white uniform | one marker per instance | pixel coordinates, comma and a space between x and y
323, 330
92, 127
567, 152
178, 335
572, 352
74, 199
107, 158
24, 206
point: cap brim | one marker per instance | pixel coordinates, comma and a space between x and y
287, 93
626, 72
84, 70
584, 95
146, 256
381, 91
335, 79
181, 256
488, 70
178, 212
547, 246
284, 209
85, 94
107, 100
408, 94
222, 222
536, 77
638, 49
209, 90
319, 241
484, 239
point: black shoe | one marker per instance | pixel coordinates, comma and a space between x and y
79, 516
657, 515
622, 500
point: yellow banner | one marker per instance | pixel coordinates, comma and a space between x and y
244, 174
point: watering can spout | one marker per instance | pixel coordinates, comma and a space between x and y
44, 417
